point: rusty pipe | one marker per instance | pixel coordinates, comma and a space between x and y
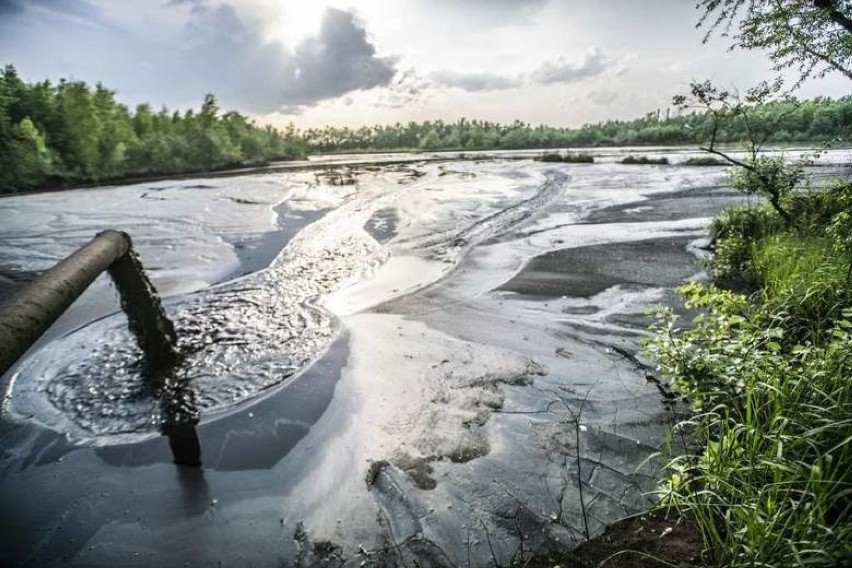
27, 314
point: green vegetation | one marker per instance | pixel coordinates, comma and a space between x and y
704, 161
769, 373
568, 158
68, 133
809, 37
810, 122
645, 160
768, 363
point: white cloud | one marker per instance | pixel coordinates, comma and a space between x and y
592, 64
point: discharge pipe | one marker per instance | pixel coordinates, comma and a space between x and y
27, 314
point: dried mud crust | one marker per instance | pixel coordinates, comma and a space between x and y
652, 540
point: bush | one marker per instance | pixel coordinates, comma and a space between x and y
704, 161
750, 222
645, 160
732, 234
815, 210
770, 377
568, 158
772, 485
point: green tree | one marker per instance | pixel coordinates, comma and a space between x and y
812, 36
80, 129
30, 157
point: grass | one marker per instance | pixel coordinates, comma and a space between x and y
806, 279
645, 160
704, 161
568, 158
770, 378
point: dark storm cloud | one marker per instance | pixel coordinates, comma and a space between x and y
265, 76
594, 63
8, 7
219, 52
339, 60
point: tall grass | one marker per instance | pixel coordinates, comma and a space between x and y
732, 233
773, 485
805, 278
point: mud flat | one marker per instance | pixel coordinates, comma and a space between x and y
432, 369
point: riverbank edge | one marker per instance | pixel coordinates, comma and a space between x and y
659, 537
406, 156
267, 168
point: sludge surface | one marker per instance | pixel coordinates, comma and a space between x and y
236, 340
492, 413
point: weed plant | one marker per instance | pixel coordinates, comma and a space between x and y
704, 161
568, 158
645, 160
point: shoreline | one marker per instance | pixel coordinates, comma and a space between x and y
326, 160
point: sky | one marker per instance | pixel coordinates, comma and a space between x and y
355, 62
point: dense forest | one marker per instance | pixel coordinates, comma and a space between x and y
812, 121
54, 135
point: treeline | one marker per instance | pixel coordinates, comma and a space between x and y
812, 121
54, 135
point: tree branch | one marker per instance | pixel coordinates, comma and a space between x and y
835, 14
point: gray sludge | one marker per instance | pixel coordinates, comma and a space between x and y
235, 340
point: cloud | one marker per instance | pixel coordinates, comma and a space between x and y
266, 76
214, 50
592, 64
603, 97
8, 7
70, 7
476, 81
339, 60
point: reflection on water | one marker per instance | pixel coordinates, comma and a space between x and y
183, 440
194, 489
